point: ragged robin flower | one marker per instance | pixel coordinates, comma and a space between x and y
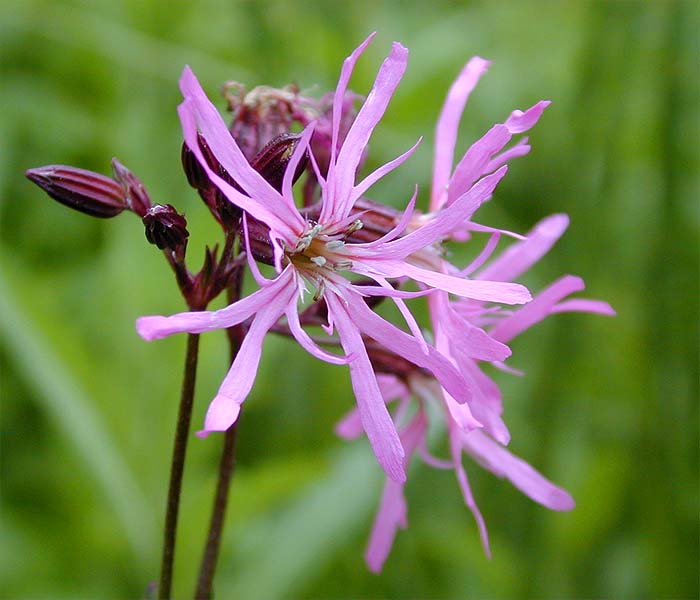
471, 332
320, 254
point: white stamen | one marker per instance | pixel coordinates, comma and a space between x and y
334, 245
342, 265
319, 292
354, 226
319, 260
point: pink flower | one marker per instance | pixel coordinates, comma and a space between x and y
319, 254
468, 332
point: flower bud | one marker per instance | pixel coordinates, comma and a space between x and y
136, 195
271, 162
260, 115
165, 227
224, 211
85, 191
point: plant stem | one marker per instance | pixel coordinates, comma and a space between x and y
227, 462
177, 466
216, 524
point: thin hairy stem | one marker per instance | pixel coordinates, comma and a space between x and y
177, 466
210, 556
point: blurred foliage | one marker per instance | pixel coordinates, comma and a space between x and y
608, 407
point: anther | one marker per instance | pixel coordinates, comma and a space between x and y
320, 290
356, 225
334, 245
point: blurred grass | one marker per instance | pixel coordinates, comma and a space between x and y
608, 407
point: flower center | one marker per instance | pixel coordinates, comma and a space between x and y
317, 255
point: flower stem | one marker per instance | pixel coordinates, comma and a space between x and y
177, 466
226, 464
216, 524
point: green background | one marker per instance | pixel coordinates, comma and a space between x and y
608, 407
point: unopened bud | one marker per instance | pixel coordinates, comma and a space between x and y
271, 162
136, 195
165, 227
260, 115
85, 191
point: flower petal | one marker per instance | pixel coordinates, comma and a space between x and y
393, 511
473, 163
448, 127
375, 417
476, 289
538, 309
456, 436
519, 257
406, 346
477, 159
520, 148
339, 96
581, 305
380, 172
156, 327
341, 179
500, 462
264, 211
307, 343
224, 409
445, 220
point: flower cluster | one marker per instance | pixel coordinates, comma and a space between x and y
336, 254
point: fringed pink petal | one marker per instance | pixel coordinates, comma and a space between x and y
474, 162
467, 339
448, 127
391, 388
156, 327
380, 172
392, 515
408, 347
301, 148
375, 417
581, 305
371, 112
237, 384
537, 310
520, 122
204, 116
307, 343
393, 511
502, 463
519, 257
260, 279
445, 220
395, 231
476, 289
520, 148
477, 159
338, 103
261, 210
484, 255
350, 426
456, 436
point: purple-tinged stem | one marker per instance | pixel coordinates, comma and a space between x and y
227, 463
216, 524
177, 466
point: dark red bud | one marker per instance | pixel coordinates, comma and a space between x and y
136, 195
85, 191
259, 241
260, 115
165, 227
271, 162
